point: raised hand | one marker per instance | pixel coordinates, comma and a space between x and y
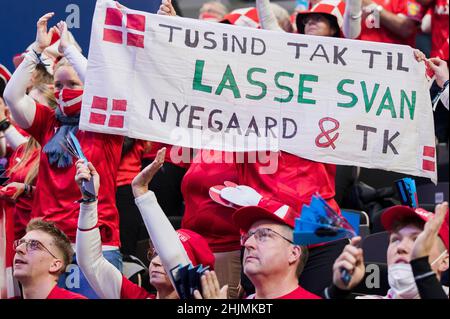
211, 288
87, 172
351, 259
141, 181
426, 239
166, 8
44, 37
64, 41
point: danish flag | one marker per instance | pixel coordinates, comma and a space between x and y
114, 117
123, 28
429, 164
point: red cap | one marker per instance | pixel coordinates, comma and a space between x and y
267, 208
399, 212
197, 248
245, 17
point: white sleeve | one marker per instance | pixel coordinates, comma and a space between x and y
266, 16
352, 19
104, 278
444, 97
77, 60
14, 138
163, 235
23, 107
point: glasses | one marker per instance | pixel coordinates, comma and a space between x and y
32, 244
151, 253
262, 235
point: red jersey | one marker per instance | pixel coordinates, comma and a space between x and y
409, 8
23, 206
439, 29
294, 182
60, 293
56, 190
202, 215
298, 293
130, 290
130, 164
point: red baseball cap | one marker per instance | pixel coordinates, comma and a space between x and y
399, 212
197, 248
267, 208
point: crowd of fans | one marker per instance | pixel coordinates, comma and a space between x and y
52, 226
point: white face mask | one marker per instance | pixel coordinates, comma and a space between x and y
401, 281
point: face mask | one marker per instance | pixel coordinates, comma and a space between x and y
439, 257
401, 281
69, 101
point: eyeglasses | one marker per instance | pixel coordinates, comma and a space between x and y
262, 235
151, 253
32, 244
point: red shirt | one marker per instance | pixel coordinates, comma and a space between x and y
440, 29
181, 156
298, 293
202, 215
130, 164
24, 203
56, 190
408, 8
60, 293
130, 290
294, 182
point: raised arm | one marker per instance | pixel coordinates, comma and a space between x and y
162, 233
266, 16
352, 19
104, 278
23, 107
70, 52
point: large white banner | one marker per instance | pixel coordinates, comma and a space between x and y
207, 85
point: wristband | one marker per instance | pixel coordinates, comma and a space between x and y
81, 229
87, 200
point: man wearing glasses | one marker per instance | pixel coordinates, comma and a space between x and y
271, 260
41, 257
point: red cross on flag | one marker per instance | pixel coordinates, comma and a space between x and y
124, 28
100, 115
428, 162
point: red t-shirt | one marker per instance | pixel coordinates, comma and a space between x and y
181, 158
60, 293
298, 293
202, 215
24, 203
130, 290
294, 182
56, 190
130, 164
408, 8
440, 29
